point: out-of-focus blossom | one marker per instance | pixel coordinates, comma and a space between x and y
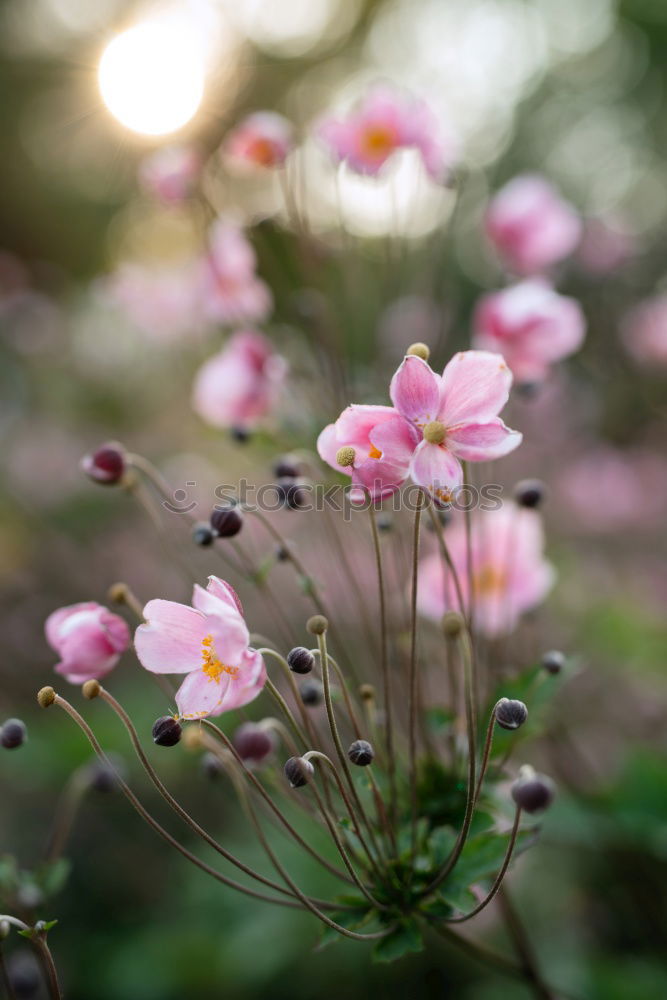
230, 289
531, 325
240, 385
605, 246
530, 225
385, 121
89, 640
456, 416
608, 489
644, 332
380, 443
509, 572
263, 139
171, 173
163, 301
209, 643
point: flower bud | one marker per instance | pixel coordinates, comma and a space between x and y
533, 792
211, 766
287, 467
45, 697
300, 660
384, 521
298, 772
510, 713
345, 456
106, 465
253, 743
166, 731
367, 692
292, 493
317, 625
282, 554
311, 693
91, 689
103, 777
361, 753
226, 521
553, 661
239, 434
203, 535
530, 493
419, 350
452, 624
13, 734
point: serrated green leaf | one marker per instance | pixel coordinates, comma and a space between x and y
404, 939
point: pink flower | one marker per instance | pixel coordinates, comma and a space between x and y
510, 574
263, 139
530, 225
170, 173
163, 301
606, 246
455, 415
209, 643
381, 443
644, 332
239, 385
531, 325
382, 123
89, 640
230, 289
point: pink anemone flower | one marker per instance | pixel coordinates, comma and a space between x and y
170, 173
230, 290
509, 572
530, 225
209, 643
644, 332
531, 325
263, 139
89, 640
382, 123
240, 385
455, 416
379, 444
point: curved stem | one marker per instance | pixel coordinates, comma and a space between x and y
412, 693
499, 877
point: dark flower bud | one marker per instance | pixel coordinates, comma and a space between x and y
530, 492
13, 734
452, 624
253, 743
282, 553
385, 522
287, 467
166, 731
298, 772
211, 766
239, 434
311, 693
553, 661
528, 390
361, 753
300, 660
510, 714
106, 465
292, 493
317, 625
103, 777
226, 521
533, 792
203, 535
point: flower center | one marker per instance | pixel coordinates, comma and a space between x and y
211, 665
489, 580
262, 151
434, 432
378, 141
374, 452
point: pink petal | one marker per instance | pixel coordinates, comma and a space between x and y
437, 470
482, 442
224, 592
247, 685
396, 439
328, 445
355, 423
171, 640
53, 626
475, 387
199, 695
415, 391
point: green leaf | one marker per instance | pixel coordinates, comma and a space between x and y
52, 877
349, 919
441, 843
405, 938
481, 858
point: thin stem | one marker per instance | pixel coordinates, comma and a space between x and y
66, 810
499, 877
487, 751
354, 719
523, 948
412, 694
440, 535
49, 965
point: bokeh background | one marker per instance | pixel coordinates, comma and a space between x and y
572, 90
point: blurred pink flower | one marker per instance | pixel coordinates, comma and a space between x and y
606, 246
385, 121
230, 289
163, 301
510, 574
456, 415
239, 385
531, 325
644, 332
530, 225
170, 173
263, 139
209, 643
89, 640
383, 443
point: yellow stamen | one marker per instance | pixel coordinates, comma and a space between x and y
489, 580
211, 665
374, 452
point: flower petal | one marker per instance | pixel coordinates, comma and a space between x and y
475, 387
437, 470
245, 687
396, 439
328, 445
224, 592
170, 641
415, 390
482, 442
199, 695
